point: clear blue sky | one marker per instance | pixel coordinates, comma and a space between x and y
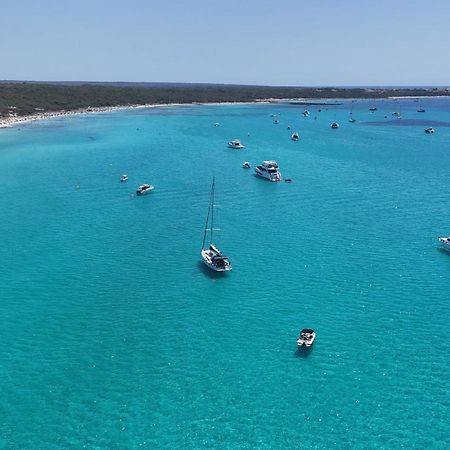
278, 42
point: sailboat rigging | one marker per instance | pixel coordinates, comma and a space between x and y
211, 255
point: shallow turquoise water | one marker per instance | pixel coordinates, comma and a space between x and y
114, 335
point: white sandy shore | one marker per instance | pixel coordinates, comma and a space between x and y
6, 122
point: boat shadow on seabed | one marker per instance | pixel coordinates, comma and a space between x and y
208, 272
303, 352
443, 251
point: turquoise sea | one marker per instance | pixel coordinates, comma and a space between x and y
115, 336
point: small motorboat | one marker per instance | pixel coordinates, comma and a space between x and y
305, 113
396, 114
306, 338
276, 122
429, 130
123, 178
236, 144
445, 242
352, 120
420, 110
334, 125
216, 124
295, 136
372, 109
288, 180
246, 165
144, 189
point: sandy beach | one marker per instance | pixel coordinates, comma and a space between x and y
15, 120
6, 122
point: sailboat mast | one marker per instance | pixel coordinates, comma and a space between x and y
212, 206
211, 199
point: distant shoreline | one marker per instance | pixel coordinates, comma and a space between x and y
26, 101
13, 121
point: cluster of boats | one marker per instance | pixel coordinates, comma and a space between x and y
142, 189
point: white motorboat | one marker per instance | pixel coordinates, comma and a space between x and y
305, 113
144, 189
295, 136
372, 109
334, 125
352, 120
123, 178
421, 110
306, 338
236, 143
445, 242
268, 170
429, 130
216, 124
211, 255
246, 165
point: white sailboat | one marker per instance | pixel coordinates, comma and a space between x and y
211, 255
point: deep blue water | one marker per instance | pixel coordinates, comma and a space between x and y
114, 335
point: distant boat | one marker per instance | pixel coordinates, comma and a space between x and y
246, 165
295, 136
421, 110
123, 178
236, 144
334, 125
372, 109
306, 338
144, 189
429, 130
216, 124
211, 255
445, 242
352, 120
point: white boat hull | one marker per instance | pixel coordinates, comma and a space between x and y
145, 191
267, 176
445, 243
207, 259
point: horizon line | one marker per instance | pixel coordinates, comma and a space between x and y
200, 83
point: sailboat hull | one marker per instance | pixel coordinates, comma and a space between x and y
208, 259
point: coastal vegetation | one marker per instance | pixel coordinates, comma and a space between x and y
25, 98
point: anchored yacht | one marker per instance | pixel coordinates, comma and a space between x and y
306, 338
429, 130
246, 165
295, 136
211, 255
268, 170
334, 125
123, 178
236, 144
144, 189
